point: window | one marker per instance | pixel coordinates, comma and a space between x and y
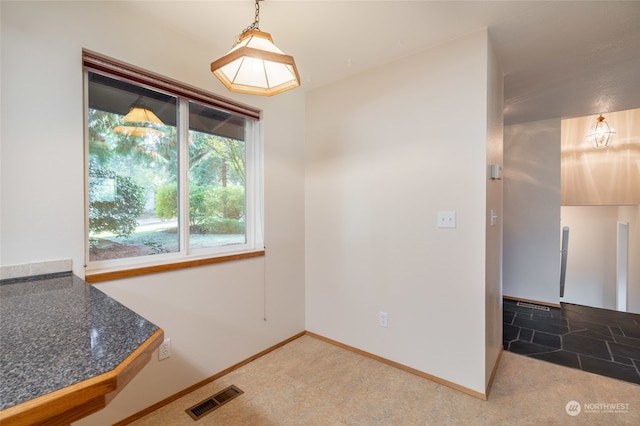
173, 173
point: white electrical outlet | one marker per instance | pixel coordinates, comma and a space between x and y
382, 319
164, 351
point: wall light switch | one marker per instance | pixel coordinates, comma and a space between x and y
447, 219
496, 171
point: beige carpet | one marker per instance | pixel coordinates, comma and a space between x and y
311, 382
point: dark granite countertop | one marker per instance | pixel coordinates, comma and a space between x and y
58, 331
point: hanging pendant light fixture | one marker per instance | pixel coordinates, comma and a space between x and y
601, 133
255, 65
140, 121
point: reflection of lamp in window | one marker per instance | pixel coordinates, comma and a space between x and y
140, 121
601, 134
255, 65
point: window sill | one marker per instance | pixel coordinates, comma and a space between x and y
92, 278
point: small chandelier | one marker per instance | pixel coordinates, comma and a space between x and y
601, 134
255, 65
140, 121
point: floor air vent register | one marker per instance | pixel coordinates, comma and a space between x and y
533, 306
205, 407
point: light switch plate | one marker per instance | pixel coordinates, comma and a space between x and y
447, 219
496, 172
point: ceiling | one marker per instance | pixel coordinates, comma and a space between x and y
560, 59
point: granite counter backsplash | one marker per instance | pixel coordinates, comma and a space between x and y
58, 331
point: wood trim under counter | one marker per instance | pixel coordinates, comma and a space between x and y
74, 402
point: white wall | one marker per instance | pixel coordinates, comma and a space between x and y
495, 144
213, 314
385, 151
591, 264
591, 257
532, 211
631, 215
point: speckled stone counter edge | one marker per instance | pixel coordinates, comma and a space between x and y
57, 331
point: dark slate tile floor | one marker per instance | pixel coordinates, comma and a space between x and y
600, 341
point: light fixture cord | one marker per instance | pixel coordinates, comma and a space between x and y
254, 25
256, 21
